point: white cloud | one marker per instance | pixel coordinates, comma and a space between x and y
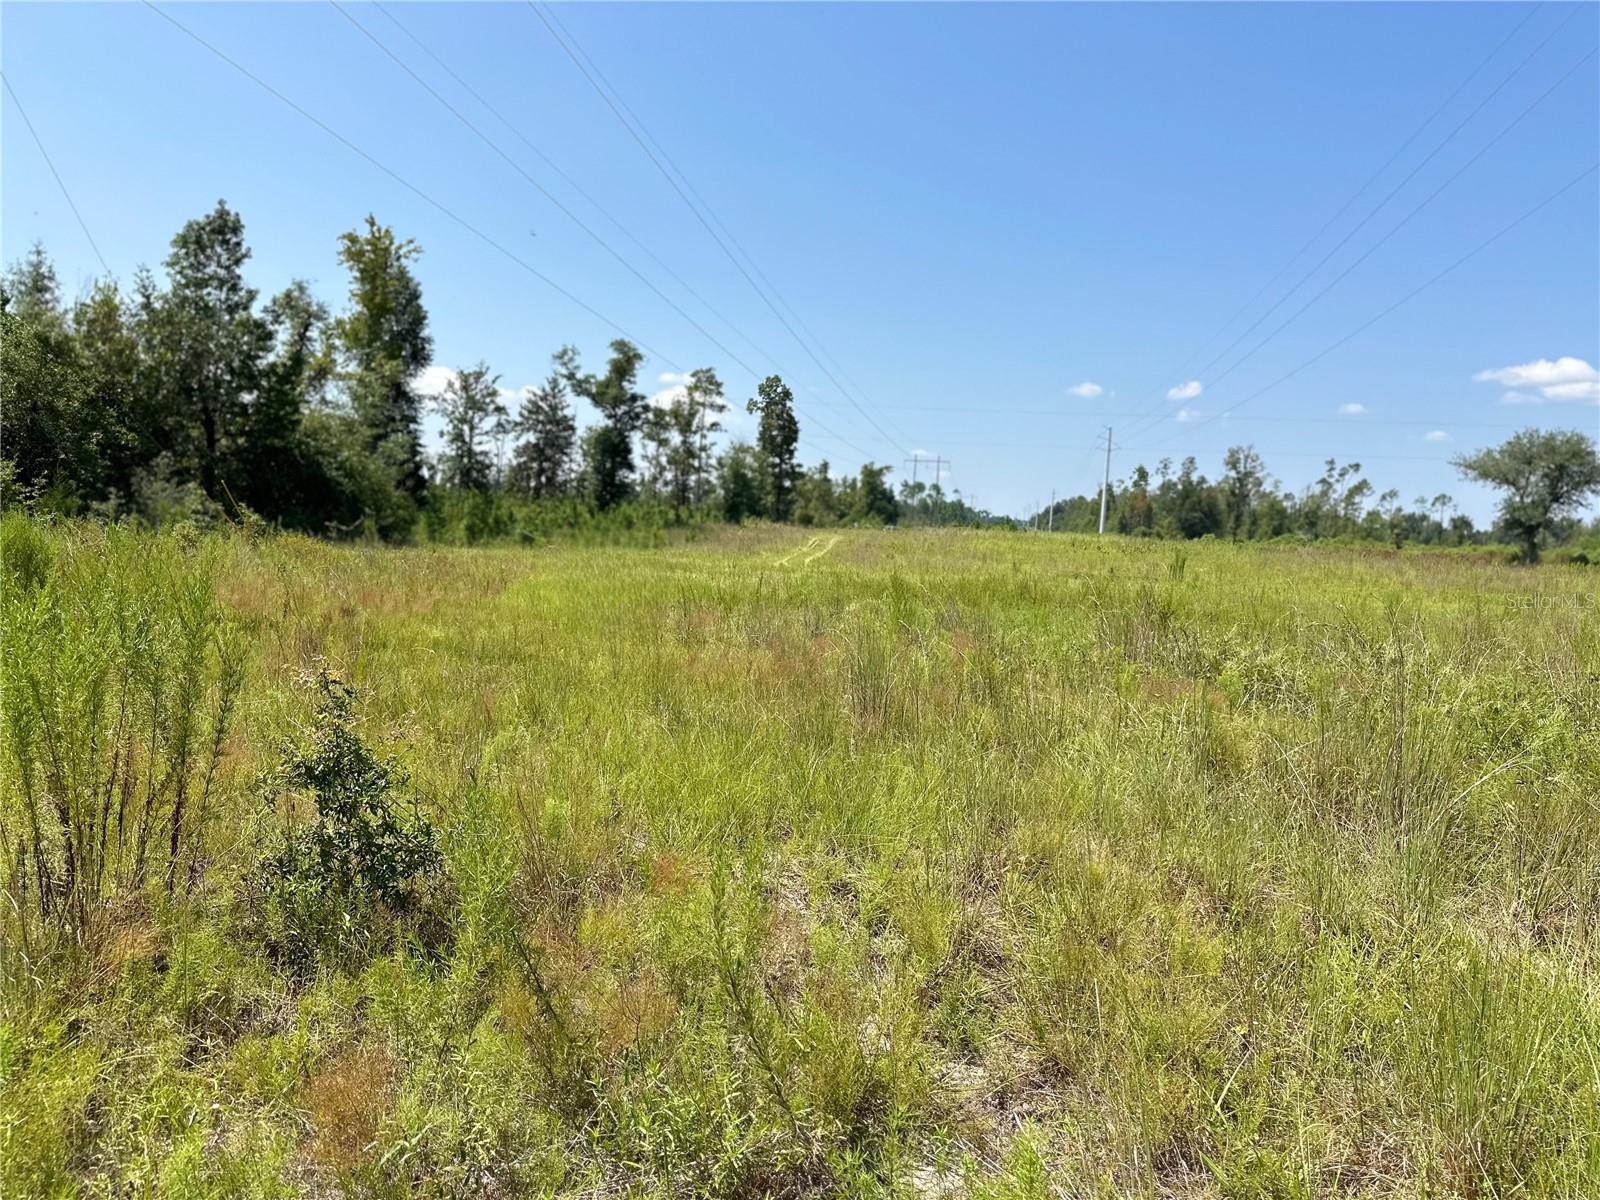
1188, 414
1566, 380
430, 383
1584, 389
1087, 390
1541, 373
1185, 391
1352, 410
671, 377
665, 397
1436, 435
432, 380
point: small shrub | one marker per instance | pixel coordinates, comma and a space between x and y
364, 865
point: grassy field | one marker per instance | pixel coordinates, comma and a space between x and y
781, 863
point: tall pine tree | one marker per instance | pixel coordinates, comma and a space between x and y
473, 418
777, 439
542, 466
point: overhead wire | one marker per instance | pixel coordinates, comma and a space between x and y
487, 239
565, 176
694, 195
1360, 191
49, 162
540, 188
568, 212
570, 46
1153, 412
410, 187
1410, 175
1401, 224
1410, 295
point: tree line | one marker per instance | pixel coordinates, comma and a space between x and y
183, 396
1546, 476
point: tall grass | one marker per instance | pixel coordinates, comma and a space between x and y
902, 864
121, 677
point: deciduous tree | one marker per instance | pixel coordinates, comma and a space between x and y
277, 471
208, 345
384, 340
1243, 479
1545, 475
739, 482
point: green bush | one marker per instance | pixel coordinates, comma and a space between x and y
363, 865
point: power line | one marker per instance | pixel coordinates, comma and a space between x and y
1401, 224
1484, 149
1360, 191
1353, 420
408, 185
1152, 414
1095, 448
454, 216
1394, 191
542, 190
572, 216
60, 183
561, 37
854, 389
596, 78
566, 178
440, 205
1420, 288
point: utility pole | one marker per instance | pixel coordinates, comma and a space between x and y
938, 464
1052, 527
1105, 485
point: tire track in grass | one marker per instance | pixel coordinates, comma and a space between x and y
834, 541
798, 550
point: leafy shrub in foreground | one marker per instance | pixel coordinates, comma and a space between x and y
364, 865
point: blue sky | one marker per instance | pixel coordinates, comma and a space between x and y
972, 210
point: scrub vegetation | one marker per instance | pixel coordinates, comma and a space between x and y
787, 862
